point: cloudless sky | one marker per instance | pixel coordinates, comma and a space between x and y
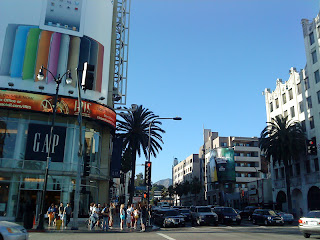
208, 61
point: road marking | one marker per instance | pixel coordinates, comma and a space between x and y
165, 236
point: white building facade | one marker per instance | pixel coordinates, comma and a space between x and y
184, 171
299, 99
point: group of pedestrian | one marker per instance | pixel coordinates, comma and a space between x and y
55, 214
101, 216
132, 215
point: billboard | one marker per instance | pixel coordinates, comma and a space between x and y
44, 103
222, 165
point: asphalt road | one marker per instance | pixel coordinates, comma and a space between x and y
199, 233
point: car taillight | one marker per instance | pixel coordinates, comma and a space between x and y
300, 221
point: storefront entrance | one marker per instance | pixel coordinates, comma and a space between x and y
32, 199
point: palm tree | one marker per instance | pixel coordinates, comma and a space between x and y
284, 141
134, 129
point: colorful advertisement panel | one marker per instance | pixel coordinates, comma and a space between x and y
67, 106
222, 165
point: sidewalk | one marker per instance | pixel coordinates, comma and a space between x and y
83, 228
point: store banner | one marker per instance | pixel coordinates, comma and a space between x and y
44, 103
38, 143
116, 157
222, 165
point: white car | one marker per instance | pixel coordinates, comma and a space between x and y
12, 231
310, 224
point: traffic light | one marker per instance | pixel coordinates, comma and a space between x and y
87, 76
147, 173
86, 166
312, 146
145, 195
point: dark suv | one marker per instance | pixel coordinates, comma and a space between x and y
266, 217
227, 215
247, 212
203, 215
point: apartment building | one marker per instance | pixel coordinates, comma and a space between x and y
299, 99
247, 168
183, 171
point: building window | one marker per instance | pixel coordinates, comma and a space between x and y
271, 107
299, 88
277, 103
290, 94
307, 164
303, 125
314, 57
311, 38
285, 113
316, 164
311, 120
309, 102
292, 112
318, 94
301, 107
276, 173
284, 98
317, 76
306, 83
282, 172
290, 171
298, 169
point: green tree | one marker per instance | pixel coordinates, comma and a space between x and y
164, 193
134, 129
195, 188
283, 141
178, 189
170, 191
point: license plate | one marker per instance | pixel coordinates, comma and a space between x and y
312, 223
277, 221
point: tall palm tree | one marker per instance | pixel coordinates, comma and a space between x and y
284, 141
134, 129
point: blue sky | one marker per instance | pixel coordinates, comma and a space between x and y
208, 61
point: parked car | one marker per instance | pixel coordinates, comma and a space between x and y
266, 217
185, 212
310, 224
203, 215
247, 212
287, 217
227, 215
168, 218
10, 230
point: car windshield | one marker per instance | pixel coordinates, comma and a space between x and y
270, 212
228, 210
171, 213
184, 211
313, 215
204, 209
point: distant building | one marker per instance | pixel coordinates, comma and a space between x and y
247, 168
183, 171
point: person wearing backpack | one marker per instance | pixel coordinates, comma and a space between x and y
105, 219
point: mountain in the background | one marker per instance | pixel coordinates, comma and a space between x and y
165, 182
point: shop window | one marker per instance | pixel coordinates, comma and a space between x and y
4, 193
8, 135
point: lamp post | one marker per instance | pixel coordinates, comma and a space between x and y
58, 80
149, 150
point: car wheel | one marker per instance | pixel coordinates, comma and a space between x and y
249, 218
198, 222
164, 224
306, 235
266, 222
254, 222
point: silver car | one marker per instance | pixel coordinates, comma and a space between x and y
12, 231
310, 224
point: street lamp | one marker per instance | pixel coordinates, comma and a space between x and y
58, 80
149, 149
